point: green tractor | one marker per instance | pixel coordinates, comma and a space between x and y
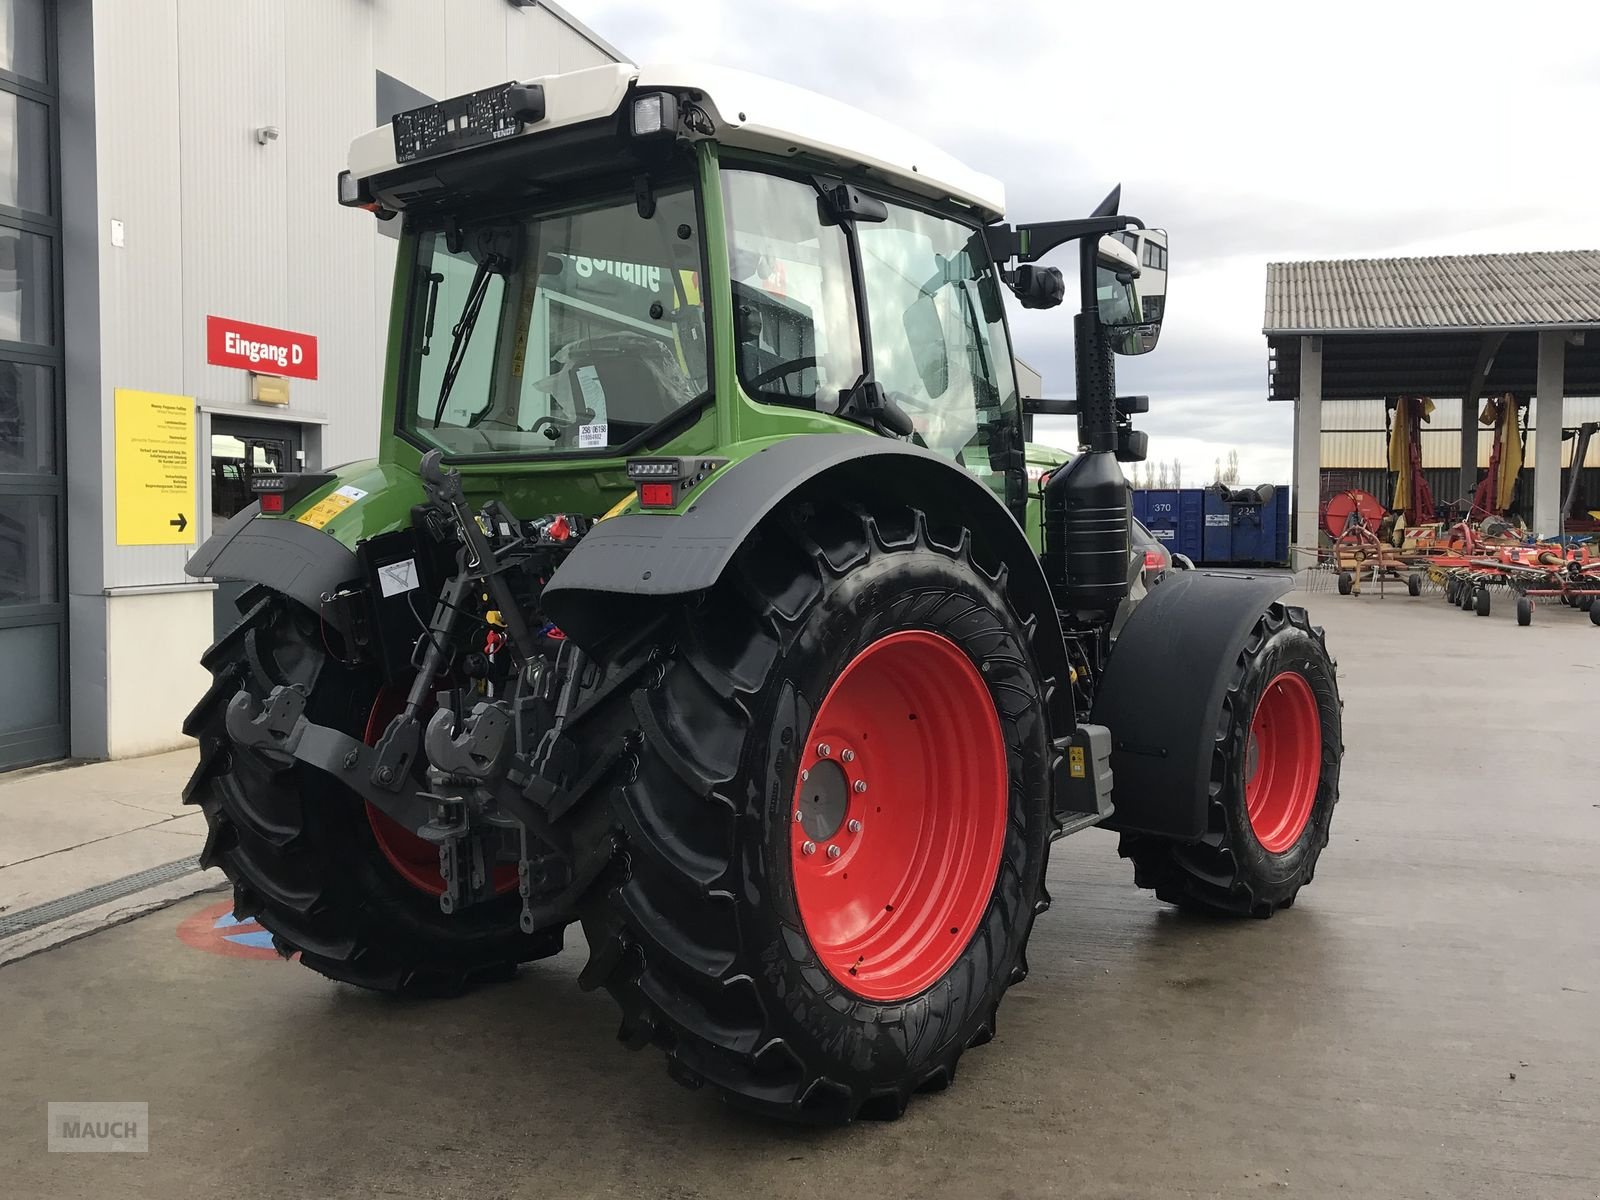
699, 595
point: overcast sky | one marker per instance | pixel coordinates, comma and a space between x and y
1250, 132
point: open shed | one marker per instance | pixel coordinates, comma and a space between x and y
1458, 327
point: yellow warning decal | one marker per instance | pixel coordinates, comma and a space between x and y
1075, 765
329, 507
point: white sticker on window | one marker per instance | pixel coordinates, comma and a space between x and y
397, 578
594, 396
592, 437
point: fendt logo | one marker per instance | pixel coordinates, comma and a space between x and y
98, 1127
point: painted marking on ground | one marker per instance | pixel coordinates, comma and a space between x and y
216, 930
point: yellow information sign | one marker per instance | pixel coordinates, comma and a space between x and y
155, 469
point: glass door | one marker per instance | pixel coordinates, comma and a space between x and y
240, 449
33, 623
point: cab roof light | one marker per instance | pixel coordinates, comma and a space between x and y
352, 191
655, 115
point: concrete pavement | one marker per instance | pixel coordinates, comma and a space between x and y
75, 827
1424, 1022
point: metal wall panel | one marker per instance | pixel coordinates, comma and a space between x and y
533, 44
474, 46
143, 322
329, 90
408, 38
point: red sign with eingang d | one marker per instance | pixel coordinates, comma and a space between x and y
260, 348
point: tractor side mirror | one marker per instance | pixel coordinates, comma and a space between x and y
929, 351
1131, 285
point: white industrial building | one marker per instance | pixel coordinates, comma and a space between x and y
167, 190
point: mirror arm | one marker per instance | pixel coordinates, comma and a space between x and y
1031, 242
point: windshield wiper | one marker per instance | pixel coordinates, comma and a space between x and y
461, 332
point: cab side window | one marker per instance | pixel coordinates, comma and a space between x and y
796, 334
938, 337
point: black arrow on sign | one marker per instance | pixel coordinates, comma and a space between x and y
182, 522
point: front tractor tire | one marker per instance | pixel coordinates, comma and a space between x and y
1274, 781
836, 835
341, 887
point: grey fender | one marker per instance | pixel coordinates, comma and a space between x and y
1161, 694
295, 559
606, 584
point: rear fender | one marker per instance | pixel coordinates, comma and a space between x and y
288, 556
616, 578
1161, 694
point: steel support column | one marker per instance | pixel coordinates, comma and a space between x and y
1308, 453
1547, 416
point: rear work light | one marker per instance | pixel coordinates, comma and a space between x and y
655, 114
663, 482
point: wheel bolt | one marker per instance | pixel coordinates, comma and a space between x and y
848, 755
797, 816
823, 749
833, 852
808, 848
854, 826
804, 775
861, 785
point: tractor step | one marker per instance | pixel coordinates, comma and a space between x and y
1077, 822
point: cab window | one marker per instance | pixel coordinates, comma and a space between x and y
585, 330
939, 345
796, 336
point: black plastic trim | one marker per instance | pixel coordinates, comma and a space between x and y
297, 560
627, 561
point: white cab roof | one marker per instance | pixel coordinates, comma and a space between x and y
750, 112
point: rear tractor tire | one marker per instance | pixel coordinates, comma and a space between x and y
1274, 782
836, 835
330, 881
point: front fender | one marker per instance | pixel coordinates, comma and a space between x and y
1161, 694
608, 583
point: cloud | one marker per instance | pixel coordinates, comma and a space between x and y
1251, 131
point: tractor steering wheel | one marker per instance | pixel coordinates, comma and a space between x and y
783, 368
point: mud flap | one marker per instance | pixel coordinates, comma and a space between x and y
1161, 695
297, 560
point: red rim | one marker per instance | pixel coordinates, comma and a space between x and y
899, 815
1285, 762
416, 861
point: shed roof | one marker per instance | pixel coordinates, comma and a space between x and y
1458, 293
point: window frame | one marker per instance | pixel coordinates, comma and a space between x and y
808, 173
408, 369
965, 222
795, 173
